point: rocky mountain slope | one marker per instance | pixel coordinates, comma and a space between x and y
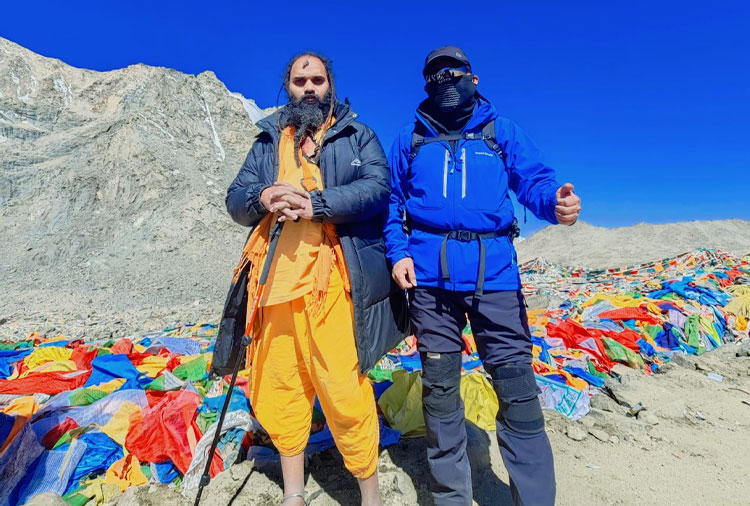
588, 245
112, 184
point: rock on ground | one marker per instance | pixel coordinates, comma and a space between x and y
47, 499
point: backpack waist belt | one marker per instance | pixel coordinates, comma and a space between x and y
466, 236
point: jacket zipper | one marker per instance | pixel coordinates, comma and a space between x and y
452, 265
445, 175
463, 172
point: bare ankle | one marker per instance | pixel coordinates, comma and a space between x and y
294, 500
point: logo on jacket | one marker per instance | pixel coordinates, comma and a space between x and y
483, 153
356, 162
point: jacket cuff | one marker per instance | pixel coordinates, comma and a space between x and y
397, 256
253, 200
551, 204
319, 207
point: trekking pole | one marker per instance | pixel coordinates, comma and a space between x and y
273, 237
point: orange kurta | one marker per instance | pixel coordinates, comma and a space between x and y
304, 340
292, 272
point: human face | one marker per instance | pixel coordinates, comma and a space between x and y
308, 78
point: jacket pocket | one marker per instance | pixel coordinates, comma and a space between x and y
501, 263
428, 178
376, 273
484, 181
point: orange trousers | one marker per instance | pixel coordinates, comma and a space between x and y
296, 356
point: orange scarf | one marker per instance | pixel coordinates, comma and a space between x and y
330, 253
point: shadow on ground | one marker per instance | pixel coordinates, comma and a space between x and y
404, 475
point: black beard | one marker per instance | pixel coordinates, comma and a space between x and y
306, 115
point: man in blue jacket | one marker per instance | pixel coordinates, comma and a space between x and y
449, 236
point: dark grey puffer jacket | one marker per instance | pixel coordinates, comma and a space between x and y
355, 198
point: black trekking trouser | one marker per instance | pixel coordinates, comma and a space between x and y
498, 321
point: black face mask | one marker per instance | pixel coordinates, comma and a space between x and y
450, 94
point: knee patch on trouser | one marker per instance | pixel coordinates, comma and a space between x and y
520, 410
441, 383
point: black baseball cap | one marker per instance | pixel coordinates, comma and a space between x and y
446, 52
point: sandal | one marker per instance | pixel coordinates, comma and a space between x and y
301, 496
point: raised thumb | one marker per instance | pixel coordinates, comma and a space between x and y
566, 190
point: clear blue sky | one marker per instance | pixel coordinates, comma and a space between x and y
644, 106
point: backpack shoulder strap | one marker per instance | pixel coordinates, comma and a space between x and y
417, 141
489, 137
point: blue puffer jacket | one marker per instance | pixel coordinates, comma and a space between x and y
465, 189
355, 178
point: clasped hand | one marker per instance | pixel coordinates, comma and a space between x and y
288, 202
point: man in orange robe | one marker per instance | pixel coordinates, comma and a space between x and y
329, 310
